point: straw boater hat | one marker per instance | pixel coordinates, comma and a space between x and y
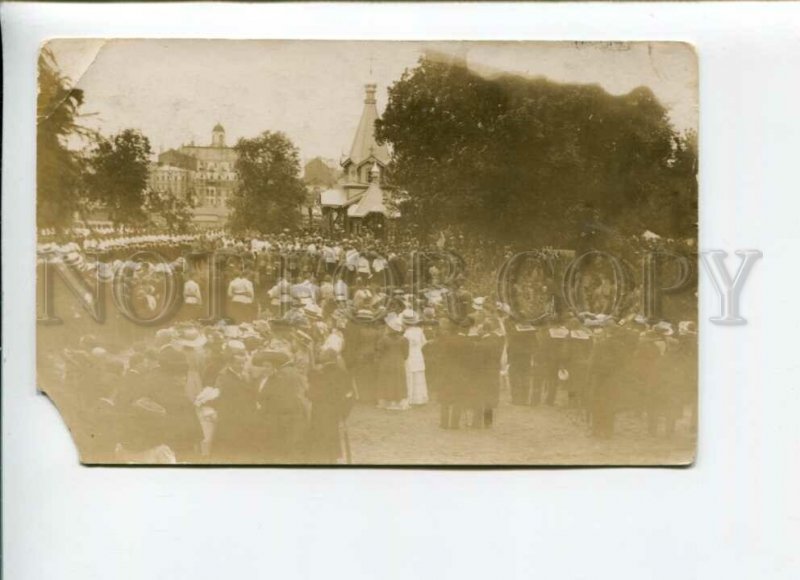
235, 347
98, 352
261, 326
365, 314
232, 331
558, 332
600, 320
73, 259
664, 328
410, 318
165, 336
313, 311
191, 337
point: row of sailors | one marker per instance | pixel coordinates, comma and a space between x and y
313, 245
354, 265
241, 291
357, 258
92, 245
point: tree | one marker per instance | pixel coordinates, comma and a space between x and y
172, 211
117, 178
318, 172
58, 169
270, 192
510, 157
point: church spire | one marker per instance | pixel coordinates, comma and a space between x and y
370, 98
364, 143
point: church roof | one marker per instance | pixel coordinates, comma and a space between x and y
335, 197
364, 143
371, 202
178, 159
205, 153
218, 127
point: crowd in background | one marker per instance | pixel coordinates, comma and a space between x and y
265, 344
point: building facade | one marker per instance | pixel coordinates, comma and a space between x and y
206, 174
171, 179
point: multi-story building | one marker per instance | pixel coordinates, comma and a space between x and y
171, 179
207, 174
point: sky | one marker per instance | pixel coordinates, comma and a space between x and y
175, 91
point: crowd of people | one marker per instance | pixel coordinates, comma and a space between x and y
269, 343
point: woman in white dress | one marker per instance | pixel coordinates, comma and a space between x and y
241, 296
415, 363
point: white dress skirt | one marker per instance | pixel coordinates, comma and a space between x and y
415, 367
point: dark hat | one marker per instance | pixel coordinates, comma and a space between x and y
171, 358
365, 314
270, 356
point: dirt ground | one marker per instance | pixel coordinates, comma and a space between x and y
520, 436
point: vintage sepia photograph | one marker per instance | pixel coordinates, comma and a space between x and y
368, 253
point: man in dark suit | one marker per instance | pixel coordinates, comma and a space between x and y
446, 358
331, 395
521, 345
284, 409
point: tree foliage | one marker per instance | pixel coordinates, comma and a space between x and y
58, 169
117, 176
317, 173
510, 156
170, 210
270, 191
